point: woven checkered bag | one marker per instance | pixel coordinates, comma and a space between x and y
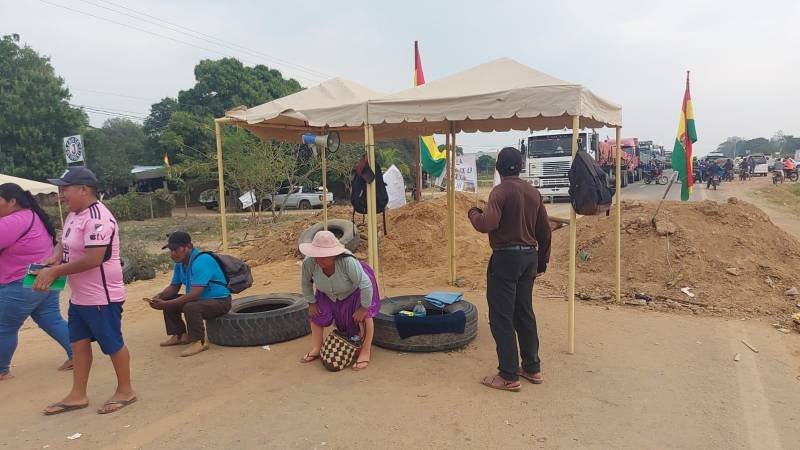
338, 352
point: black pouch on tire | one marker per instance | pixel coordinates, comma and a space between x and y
338, 352
588, 186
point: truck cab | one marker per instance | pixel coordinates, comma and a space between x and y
548, 157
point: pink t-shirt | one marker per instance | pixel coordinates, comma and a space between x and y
94, 227
18, 251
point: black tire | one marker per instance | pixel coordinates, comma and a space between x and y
304, 204
647, 179
341, 228
793, 177
266, 205
210, 206
662, 180
386, 335
128, 270
278, 318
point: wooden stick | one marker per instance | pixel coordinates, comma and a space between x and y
755, 350
573, 237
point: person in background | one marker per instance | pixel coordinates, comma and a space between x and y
751, 166
788, 167
519, 234
206, 294
713, 169
743, 169
777, 168
27, 237
347, 295
88, 255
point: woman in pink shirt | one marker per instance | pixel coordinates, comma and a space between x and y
26, 237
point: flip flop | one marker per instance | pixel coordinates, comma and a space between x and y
503, 385
529, 376
121, 403
309, 358
64, 408
357, 368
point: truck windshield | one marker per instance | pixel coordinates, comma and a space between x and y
550, 146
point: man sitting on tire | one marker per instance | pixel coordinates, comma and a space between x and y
519, 233
206, 295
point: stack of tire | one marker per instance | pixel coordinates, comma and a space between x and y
344, 230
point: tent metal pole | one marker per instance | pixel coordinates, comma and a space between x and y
452, 211
372, 208
221, 179
573, 237
370, 242
324, 189
450, 231
618, 192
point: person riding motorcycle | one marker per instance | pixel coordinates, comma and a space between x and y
788, 167
743, 169
777, 170
714, 170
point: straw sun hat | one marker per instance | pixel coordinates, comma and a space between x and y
323, 245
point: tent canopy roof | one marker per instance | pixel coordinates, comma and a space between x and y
500, 95
29, 185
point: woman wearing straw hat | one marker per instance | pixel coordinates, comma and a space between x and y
346, 294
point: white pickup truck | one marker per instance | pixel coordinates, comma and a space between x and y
302, 197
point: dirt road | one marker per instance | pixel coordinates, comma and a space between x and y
638, 380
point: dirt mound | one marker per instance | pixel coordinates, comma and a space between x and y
416, 239
736, 261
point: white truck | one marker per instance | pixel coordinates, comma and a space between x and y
302, 197
548, 157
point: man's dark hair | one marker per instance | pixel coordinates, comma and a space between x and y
509, 162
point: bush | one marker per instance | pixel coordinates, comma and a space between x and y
137, 206
145, 265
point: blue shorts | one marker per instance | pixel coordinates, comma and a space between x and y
97, 323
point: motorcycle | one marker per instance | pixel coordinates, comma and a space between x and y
655, 175
777, 176
729, 175
793, 176
715, 181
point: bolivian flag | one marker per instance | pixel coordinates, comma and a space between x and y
431, 158
682, 152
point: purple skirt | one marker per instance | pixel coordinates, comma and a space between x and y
341, 313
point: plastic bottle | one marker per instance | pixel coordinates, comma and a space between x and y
419, 309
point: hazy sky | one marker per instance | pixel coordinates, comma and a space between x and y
743, 55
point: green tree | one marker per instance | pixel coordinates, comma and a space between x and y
113, 150
391, 156
35, 114
485, 164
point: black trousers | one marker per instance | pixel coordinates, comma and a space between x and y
509, 292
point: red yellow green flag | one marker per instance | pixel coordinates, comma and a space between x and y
166, 162
431, 158
682, 151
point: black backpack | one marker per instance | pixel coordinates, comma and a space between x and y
237, 273
362, 176
588, 186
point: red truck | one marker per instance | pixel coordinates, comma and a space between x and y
630, 159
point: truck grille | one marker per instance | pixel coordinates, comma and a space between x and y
554, 182
550, 169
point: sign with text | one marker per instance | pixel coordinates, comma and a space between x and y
466, 173
73, 149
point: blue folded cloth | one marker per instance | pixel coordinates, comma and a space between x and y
442, 299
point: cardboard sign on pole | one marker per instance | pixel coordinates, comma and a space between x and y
73, 149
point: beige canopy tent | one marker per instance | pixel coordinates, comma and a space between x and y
501, 95
35, 188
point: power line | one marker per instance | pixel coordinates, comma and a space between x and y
146, 31
111, 93
202, 36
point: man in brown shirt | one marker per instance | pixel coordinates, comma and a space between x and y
519, 233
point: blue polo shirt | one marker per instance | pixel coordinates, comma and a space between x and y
203, 271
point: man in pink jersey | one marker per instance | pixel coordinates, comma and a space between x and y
88, 255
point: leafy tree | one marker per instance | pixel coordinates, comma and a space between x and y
342, 162
35, 114
485, 164
392, 156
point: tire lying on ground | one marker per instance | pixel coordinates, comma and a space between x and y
386, 335
342, 229
128, 270
261, 320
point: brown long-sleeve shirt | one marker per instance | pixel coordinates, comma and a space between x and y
515, 215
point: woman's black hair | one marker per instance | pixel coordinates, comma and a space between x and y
25, 200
